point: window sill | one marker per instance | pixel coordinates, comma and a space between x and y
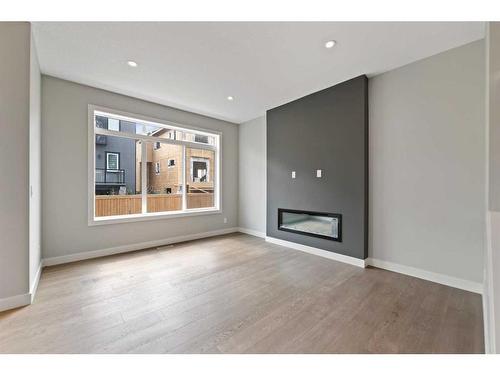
151, 216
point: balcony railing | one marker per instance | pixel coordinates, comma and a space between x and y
110, 176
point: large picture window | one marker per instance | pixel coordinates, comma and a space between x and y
142, 168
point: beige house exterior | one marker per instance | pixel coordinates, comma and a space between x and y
164, 167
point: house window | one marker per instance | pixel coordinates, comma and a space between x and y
200, 169
101, 122
126, 185
201, 138
113, 124
112, 160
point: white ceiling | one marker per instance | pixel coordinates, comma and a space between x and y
195, 66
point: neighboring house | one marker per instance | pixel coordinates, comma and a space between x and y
118, 162
114, 159
164, 168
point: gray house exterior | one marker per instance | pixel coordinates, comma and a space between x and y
114, 160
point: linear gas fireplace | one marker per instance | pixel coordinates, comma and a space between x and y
309, 223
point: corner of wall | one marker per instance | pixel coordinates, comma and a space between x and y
34, 163
252, 175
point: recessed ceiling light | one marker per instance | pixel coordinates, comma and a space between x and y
230, 98
330, 43
131, 63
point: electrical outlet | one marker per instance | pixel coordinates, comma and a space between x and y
318, 173
293, 174
225, 220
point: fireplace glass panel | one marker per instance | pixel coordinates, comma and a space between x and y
310, 223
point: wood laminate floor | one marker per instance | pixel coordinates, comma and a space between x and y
238, 294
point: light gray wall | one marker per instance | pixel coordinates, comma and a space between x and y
14, 157
427, 164
492, 258
252, 175
326, 130
35, 165
494, 116
64, 172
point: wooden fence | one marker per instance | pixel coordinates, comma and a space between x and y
164, 202
112, 205
199, 200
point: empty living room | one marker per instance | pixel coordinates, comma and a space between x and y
232, 184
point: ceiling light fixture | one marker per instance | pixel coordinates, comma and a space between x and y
330, 43
230, 98
131, 63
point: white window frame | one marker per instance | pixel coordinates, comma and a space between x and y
157, 167
168, 163
94, 110
117, 161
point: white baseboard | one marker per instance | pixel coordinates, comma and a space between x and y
15, 301
454, 282
252, 232
489, 318
319, 252
26, 299
132, 247
488, 334
22, 299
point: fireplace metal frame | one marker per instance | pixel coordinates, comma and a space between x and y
312, 213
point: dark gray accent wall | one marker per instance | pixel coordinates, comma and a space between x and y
326, 130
